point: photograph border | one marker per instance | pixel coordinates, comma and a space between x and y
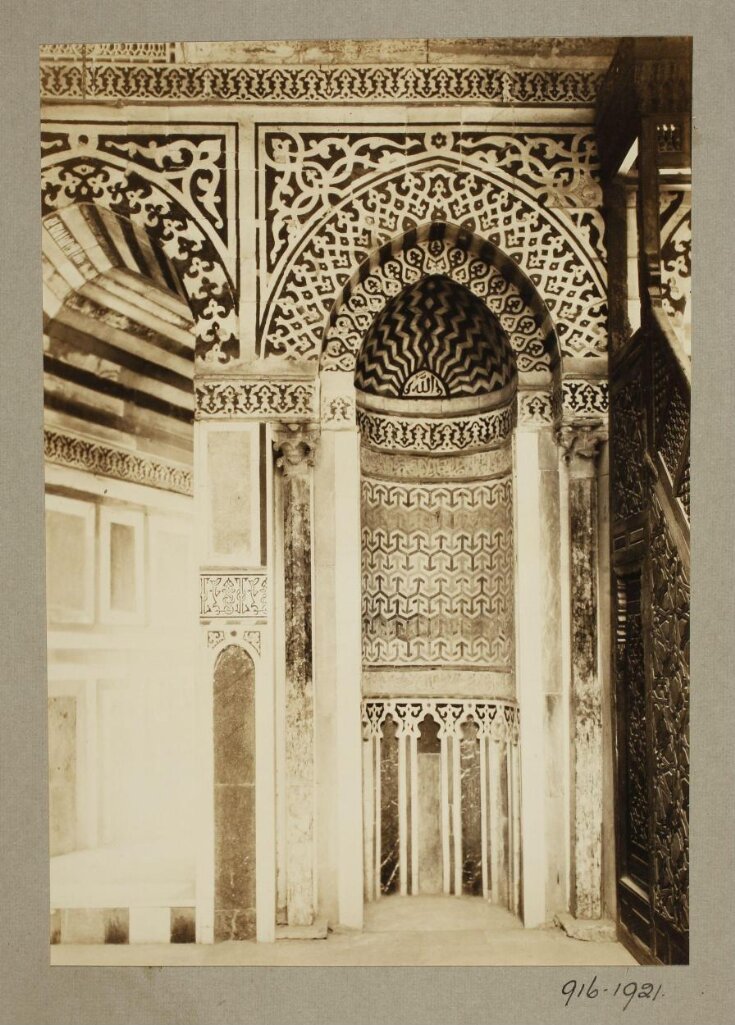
34, 992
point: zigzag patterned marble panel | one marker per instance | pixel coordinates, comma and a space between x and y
435, 339
437, 574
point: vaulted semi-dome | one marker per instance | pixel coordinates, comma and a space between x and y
435, 339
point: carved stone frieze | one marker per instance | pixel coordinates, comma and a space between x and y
263, 399
499, 720
584, 398
233, 595
135, 74
450, 434
96, 457
148, 53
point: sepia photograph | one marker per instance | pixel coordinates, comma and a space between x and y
366, 433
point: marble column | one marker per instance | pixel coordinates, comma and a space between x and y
529, 620
580, 445
348, 673
295, 449
234, 795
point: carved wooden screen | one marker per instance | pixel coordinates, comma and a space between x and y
649, 485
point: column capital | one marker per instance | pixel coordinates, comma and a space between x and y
294, 445
581, 445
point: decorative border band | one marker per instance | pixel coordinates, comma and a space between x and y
410, 467
447, 435
234, 398
138, 79
234, 595
497, 719
82, 454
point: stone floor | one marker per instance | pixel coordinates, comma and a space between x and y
398, 931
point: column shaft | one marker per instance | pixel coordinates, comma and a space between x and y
582, 446
295, 460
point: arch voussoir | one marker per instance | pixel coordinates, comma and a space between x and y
128, 193
472, 262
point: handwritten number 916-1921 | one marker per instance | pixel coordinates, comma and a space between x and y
626, 991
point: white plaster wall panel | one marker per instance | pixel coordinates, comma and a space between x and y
70, 555
232, 476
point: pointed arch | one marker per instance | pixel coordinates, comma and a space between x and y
83, 243
558, 245
126, 190
468, 260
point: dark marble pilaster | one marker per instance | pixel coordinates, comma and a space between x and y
581, 446
389, 841
295, 448
234, 795
472, 852
430, 809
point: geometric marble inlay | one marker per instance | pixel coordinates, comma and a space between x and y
437, 574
